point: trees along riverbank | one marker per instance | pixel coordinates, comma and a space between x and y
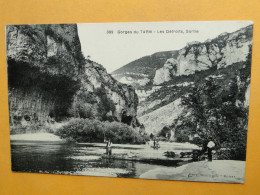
91, 130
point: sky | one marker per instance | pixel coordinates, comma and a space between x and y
128, 41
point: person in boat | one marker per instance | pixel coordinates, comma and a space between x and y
108, 147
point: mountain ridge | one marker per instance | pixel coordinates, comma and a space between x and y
226, 59
195, 56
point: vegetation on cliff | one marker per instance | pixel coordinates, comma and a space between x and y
215, 107
50, 81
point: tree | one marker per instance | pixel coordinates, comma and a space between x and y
214, 112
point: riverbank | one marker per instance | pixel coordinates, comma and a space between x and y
216, 171
127, 152
128, 161
178, 147
35, 137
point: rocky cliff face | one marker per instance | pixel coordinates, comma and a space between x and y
222, 51
163, 108
225, 59
123, 97
226, 49
48, 75
55, 49
166, 72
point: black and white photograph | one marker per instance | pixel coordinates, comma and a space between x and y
147, 100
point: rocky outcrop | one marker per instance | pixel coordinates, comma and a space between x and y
55, 49
48, 77
164, 116
43, 62
226, 60
220, 52
123, 96
226, 49
141, 72
166, 73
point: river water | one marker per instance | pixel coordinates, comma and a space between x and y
86, 159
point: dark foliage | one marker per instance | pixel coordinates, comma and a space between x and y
216, 113
86, 130
105, 105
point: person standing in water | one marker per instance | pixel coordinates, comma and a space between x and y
157, 144
207, 146
210, 147
109, 147
154, 143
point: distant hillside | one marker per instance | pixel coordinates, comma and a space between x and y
143, 69
147, 64
222, 51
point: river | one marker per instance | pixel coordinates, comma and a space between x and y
88, 159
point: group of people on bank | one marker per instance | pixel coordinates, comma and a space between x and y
208, 146
156, 144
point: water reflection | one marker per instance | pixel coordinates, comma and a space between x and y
78, 159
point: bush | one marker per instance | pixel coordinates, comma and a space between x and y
231, 154
86, 130
182, 139
197, 141
165, 131
85, 110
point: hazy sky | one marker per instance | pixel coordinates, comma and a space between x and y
116, 50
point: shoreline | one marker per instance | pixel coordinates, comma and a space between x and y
36, 137
130, 152
229, 171
45, 136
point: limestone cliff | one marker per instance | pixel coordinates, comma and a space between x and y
226, 59
123, 97
224, 50
166, 72
160, 67
48, 76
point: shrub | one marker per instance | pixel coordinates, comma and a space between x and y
86, 130
165, 131
85, 111
182, 139
197, 141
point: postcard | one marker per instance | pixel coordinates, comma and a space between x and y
149, 100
